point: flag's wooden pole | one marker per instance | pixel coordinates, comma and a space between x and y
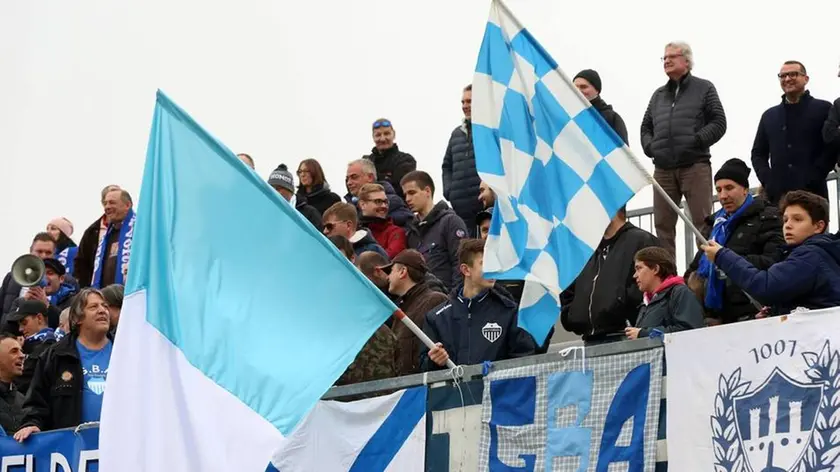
419, 333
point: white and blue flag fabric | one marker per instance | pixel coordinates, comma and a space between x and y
224, 343
382, 434
559, 171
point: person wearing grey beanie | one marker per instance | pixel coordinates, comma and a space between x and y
588, 82
283, 181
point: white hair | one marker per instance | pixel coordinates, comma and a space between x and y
64, 317
685, 50
368, 167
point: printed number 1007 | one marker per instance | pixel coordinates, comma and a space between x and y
779, 348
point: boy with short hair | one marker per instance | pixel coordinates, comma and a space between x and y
477, 323
808, 275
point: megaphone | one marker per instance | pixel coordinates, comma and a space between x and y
28, 271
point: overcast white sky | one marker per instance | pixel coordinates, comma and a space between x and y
286, 80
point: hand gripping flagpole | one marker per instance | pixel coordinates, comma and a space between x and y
688, 223
400, 315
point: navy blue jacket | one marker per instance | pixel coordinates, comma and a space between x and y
831, 128
809, 275
460, 177
437, 237
397, 209
475, 330
789, 152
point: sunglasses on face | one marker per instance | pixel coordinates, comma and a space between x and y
381, 124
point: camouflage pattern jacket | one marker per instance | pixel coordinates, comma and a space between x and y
377, 360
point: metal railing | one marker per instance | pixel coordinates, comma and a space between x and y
476, 371
686, 246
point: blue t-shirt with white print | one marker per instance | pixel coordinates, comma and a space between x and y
95, 370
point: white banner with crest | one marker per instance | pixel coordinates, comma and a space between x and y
760, 396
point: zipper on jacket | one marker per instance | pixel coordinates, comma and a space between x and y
592, 296
469, 332
671, 121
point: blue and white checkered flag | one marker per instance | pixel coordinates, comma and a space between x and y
559, 171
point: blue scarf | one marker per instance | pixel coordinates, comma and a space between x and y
123, 251
46, 334
63, 292
67, 257
707, 270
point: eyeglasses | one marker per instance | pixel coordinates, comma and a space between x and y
381, 124
378, 201
793, 75
670, 57
303, 171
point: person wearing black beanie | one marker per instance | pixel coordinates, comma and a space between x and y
735, 170
747, 225
588, 82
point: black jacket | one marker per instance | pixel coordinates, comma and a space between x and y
392, 165
673, 309
611, 117
460, 177
11, 408
9, 292
682, 121
320, 197
476, 330
437, 237
83, 265
789, 152
309, 211
604, 297
34, 348
54, 399
831, 128
756, 235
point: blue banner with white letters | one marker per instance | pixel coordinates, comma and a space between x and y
586, 415
53, 451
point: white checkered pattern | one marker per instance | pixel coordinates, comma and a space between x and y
559, 171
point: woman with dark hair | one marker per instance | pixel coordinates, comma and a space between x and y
313, 187
669, 305
61, 229
345, 246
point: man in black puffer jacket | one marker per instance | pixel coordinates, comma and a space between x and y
460, 177
683, 120
588, 82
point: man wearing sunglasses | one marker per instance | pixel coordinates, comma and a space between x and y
391, 163
789, 152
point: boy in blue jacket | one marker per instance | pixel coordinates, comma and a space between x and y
478, 323
808, 275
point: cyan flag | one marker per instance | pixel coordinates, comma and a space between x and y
239, 314
559, 171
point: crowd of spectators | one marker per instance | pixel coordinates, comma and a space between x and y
768, 253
